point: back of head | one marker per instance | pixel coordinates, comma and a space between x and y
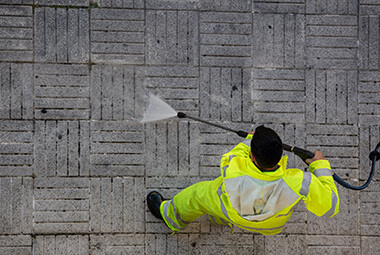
266, 146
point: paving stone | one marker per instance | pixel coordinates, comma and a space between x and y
16, 205
369, 214
113, 90
62, 148
238, 5
61, 34
61, 205
278, 96
325, 244
61, 91
16, 148
16, 244
117, 36
16, 43
117, 205
369, 7
279, 6
63, 3
225, 94
16, 91
61, 244
16, 200
332, 7
331, 96
172, 37
369, 245
117, 244
278, 40
117, 149
285, 244
369, 47
322, 30
133, 4
176, 5
223, 26
172, 148
368, 101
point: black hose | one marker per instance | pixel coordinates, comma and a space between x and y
374, 156
302, 153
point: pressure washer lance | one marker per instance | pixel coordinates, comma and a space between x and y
302, 153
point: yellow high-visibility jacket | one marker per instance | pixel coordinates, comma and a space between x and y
251, 199
263, 201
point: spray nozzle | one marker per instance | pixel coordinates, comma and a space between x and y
181, 115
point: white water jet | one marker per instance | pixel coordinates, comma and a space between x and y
158, 110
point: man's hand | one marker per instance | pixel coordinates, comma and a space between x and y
318, 156
252, 132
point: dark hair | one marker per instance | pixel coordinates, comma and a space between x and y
266, 146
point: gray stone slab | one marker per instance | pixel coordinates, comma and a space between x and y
16, 148
369, 245
62, 148
278, 95
59, 209
113, 205
332, 7
331, 96
118, 243
123, 150
172, 149
17, 33
265, 6
335, 56
325, 244
215, 5
16, 205
278, 40
109, 49
225, 25
113, 89
61, 244
224, 94
70, 82
16, 244
133, 4
172, 37
369, 7
61, 35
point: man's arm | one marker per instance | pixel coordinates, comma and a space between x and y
322, 198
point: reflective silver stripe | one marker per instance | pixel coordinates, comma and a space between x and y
166, 212
305, 184
224, 210
178, 217
223, 221
286, 214
213, 219
323, 172
334, 201
226, 166
225, 170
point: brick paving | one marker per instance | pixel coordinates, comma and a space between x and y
76, 165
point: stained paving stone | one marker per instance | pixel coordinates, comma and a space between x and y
75, 77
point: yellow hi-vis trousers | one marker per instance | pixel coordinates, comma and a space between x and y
191, 203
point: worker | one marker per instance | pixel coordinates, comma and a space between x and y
255, 191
